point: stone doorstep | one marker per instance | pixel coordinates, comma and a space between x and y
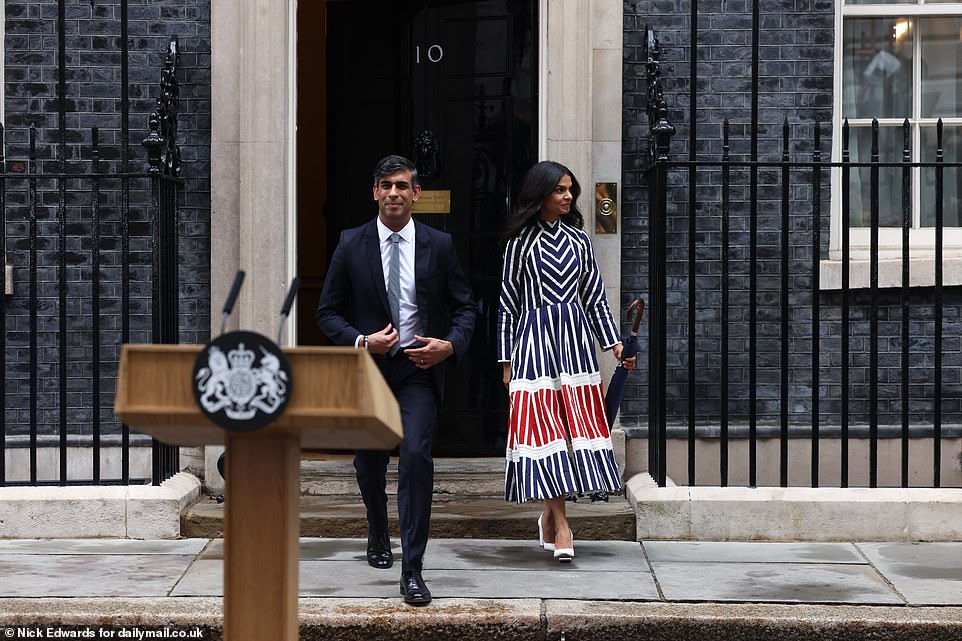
452, 476
125, 512
794, 513
522, 619
479, 517
467, 504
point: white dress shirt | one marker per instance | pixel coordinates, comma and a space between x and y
410, 323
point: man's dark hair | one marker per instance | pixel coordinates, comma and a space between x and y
393, 164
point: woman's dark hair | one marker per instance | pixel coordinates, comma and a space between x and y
538, 183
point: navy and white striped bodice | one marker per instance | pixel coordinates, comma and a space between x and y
551, 264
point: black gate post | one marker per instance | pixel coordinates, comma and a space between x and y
163, 155
657, 319
660, 131
164, 274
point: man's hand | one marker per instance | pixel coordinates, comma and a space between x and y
382, 341
432, 352
506, 375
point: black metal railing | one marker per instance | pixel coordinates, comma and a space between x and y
94, 219
791, 360
91, 255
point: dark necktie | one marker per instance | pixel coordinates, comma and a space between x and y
394, 287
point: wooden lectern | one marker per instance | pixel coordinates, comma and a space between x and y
339, 400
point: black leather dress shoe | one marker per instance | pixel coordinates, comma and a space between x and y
413, 589
379, 553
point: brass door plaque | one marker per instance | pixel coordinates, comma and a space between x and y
433, 201
606, 208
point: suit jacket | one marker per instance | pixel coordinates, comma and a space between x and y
354, 298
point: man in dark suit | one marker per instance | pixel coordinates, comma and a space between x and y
396, 288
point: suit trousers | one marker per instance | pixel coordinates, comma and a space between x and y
418, 400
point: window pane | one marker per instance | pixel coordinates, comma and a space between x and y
877, 68
890, 178
941, 66
951, 204
892, 1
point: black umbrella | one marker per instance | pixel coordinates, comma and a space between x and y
616, 388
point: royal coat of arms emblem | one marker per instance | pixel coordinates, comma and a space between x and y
242, 381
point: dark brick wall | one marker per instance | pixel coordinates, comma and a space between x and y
796, 84
93, 92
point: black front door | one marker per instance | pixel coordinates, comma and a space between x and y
451, 85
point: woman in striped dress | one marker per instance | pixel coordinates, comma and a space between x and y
552, 305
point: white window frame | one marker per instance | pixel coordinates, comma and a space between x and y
921, 239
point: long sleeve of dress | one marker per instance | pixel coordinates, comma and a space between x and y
595, 301
509, 305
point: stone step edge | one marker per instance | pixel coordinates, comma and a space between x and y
342, 487
493, 518
572, 620
116, 511
478, 477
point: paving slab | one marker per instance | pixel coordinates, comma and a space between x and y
773, 583
754, 552
353, 550
590, 556
102, 546
923, 573
559, 583
476, 554
455, 568
204, 577
354, 579
328, 578
90, 575
313, 549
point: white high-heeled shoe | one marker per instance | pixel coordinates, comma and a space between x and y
564, 555
548, 546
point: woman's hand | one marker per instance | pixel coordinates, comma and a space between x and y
628, 363
506, 376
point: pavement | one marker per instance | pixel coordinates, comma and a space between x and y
511, 589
